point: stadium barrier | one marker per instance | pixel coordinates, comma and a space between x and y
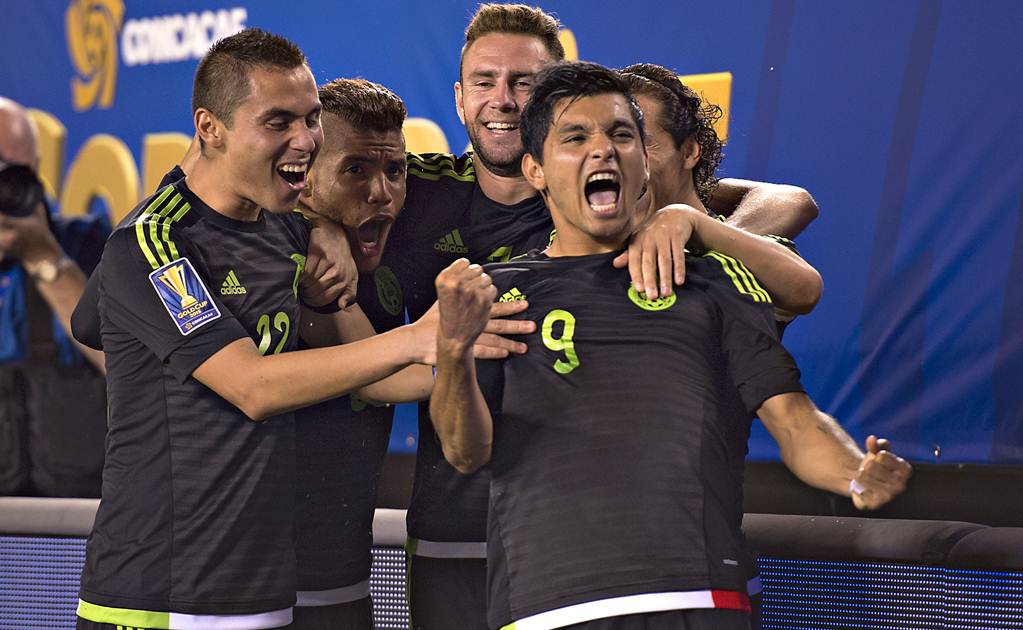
815, 572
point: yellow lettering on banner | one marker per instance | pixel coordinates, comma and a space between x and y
52, 140
567, 39
103, 168
160, 153
422, 135
715, 88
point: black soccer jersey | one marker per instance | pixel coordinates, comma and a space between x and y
617, 454
340, 446
447, 217
196, 512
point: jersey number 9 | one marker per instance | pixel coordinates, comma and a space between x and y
563, 343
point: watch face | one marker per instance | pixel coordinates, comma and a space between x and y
45, 271
48, 271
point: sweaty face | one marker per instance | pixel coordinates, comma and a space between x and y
667, 173
594, 168
358, 180
273, 138
497, 74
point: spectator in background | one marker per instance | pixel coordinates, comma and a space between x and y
52, 390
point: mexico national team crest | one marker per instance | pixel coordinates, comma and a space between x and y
388, 289
184, 295
641, 301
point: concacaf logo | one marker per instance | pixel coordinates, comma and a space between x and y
92, 27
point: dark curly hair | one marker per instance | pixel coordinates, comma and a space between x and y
683, 114
572, 80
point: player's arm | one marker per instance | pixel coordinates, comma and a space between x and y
818, 451
657, 256
415, 382
329, 275
457, 407
262, 386
763, 208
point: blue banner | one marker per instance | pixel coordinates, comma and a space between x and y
904, 119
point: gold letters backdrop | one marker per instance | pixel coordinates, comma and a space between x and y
105, 168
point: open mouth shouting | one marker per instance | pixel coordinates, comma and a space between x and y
602, 191
294, 175
371, 234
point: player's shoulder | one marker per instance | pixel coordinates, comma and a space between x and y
726, 275
435, 167
294, 223
155, 228
518, 269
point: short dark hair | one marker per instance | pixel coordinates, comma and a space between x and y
222, 78
683, 115
364, 105
572, 80
519, 19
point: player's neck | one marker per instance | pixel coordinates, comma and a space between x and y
571, 243
685, 194
689, 196
504, 190
206, 181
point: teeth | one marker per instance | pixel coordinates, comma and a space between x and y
500, 125
293, 168
596, 177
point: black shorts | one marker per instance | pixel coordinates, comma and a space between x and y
446, 593
695, 619
357, 615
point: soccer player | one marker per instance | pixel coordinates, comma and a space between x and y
481, 207
616, 443
199, 310
358, 182
684, 152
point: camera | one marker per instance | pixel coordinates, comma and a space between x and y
20, 190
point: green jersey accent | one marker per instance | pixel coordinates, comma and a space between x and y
123, 616
435, 166
563, 343
388, 289
451, 242
501, 254
299, 267
152, 227
640, 300
231, 285
513, 295
742, 278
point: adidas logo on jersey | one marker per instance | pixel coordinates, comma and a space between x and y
231, 285
513, 295
452, 243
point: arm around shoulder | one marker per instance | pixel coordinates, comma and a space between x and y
764, 208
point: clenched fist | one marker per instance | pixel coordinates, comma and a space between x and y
882, 476
464, 296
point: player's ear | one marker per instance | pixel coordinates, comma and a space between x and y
691, 153
458, 101
533, 172
208, 128
646, 166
